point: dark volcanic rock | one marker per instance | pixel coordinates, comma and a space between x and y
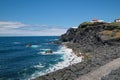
70, 35
48, 51
57, 42
89, 39
98, 56
87, 33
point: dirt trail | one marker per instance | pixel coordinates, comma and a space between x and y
102, 71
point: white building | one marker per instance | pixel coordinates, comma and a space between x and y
96, 20
117, 20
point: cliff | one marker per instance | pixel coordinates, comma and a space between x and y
89, 34
99, 44
95, 33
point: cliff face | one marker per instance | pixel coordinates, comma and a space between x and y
93, 33
99, 44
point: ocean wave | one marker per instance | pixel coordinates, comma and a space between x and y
69, 58
56, 39
39, 66
35, 46
42, 51
17, 42
60, 51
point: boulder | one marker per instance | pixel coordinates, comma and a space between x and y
28, 45
48, 51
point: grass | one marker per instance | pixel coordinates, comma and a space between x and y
117, 35
111, 33
85, 56
106, 32
117, 24
86, 24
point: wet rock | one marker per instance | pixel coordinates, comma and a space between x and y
28, 45
48, 51
57, 42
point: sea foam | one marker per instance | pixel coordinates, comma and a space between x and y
38, 66
69, 58
35, 46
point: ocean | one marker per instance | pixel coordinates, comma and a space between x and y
24, 58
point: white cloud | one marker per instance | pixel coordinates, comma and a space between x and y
8, 28
8, 24
74, 27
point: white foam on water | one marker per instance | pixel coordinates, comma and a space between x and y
56, 39
38, 66
69, 58
43, 51
35, 46
16, 42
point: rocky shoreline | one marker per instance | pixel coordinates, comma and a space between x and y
96, 47
98, 57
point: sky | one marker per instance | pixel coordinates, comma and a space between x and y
52, 17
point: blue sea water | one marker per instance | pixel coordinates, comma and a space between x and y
19, 62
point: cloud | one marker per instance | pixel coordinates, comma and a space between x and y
7, 24
74, 27
8, 28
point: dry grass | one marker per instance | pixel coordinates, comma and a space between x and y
117, 35
106, 32
117, 24
110, 34
85, 56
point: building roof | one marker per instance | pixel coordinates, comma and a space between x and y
94, 19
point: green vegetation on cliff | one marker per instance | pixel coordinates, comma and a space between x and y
92, 32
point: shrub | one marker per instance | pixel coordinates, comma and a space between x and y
86, 23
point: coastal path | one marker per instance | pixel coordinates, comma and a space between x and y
102, 71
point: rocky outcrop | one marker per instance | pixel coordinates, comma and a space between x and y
69, 36
90, 34
98, 42
98, 57
49, 51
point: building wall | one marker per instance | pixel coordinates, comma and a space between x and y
117, 20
